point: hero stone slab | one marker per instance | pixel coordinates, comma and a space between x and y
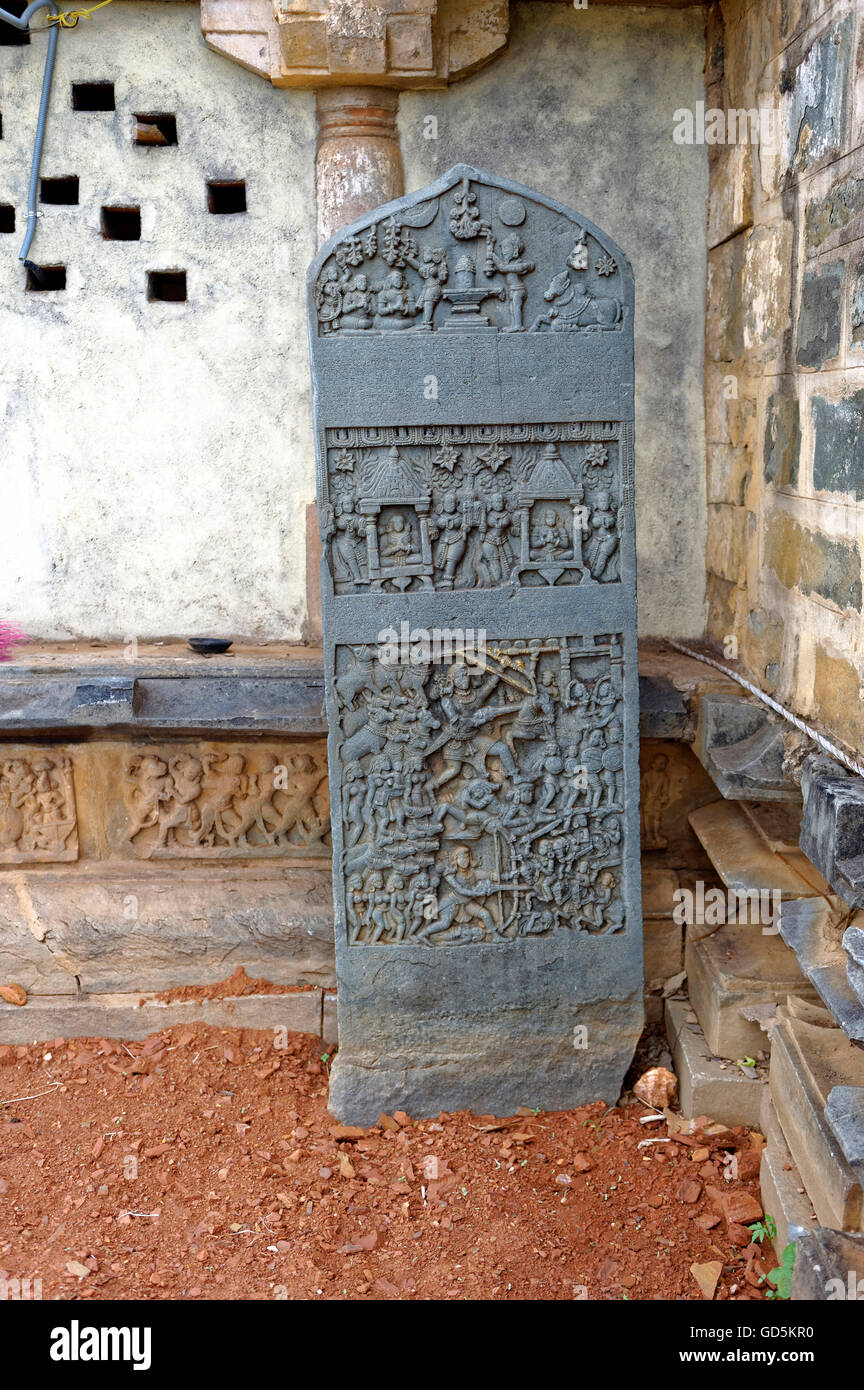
472, 361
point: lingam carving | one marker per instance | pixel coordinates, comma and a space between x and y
466, 508
38, 821
229, 803
460, 266
482, 796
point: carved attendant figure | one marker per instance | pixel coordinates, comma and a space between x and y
509, 262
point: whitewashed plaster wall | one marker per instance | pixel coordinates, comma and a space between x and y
157, 458
581, 106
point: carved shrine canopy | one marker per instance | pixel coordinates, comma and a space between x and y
472, 354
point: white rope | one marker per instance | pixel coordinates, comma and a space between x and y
818, 738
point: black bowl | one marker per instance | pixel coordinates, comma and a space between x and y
209, 646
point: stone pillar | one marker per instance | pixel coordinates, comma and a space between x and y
358, 162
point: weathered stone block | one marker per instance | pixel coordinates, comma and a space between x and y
737, 968
838, 694
814, 104
707, 1085
136, 1015
781, 1187
832, 825
829, 1266
813, 562
743, 748
730, 199
663, 948
782, 445
844, 1112
819, 316
728, 475
744, 861
124, 932
806, 1063
813, 928
472, 343
838, 444
726, 537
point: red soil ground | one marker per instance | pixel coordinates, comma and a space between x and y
203, 1164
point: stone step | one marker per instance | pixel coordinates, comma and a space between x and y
135, 1016
744, 860
778, 822
783, 1194
738, 967
706, 1084
807, 1062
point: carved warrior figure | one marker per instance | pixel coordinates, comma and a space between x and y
486, 802
37, 808
226, 804
406, 274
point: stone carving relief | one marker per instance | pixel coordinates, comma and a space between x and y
38, 822
231, 803
482, 798
462, 262
449, 507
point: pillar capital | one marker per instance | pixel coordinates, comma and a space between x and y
331, 43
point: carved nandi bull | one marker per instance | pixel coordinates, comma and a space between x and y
573, 308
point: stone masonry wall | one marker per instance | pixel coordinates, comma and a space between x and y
785, 354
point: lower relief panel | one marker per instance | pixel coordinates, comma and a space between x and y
482, 791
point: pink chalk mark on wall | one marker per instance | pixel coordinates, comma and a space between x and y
9, 636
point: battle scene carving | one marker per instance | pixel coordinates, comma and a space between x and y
233, 803
448, 507
483, 797
38, 821
462, 262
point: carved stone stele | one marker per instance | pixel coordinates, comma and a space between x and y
405, 43
472, 353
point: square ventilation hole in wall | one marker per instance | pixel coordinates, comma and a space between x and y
92, 96
121, 224
167, 285
7, 217
46, 277
226, 195
61, 191
155, 128
10, 37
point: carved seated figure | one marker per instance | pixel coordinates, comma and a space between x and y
395, 303
358, 303
396, 545
549, 538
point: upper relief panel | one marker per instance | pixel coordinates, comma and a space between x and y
476, 258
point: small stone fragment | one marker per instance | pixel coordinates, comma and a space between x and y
658, 1087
